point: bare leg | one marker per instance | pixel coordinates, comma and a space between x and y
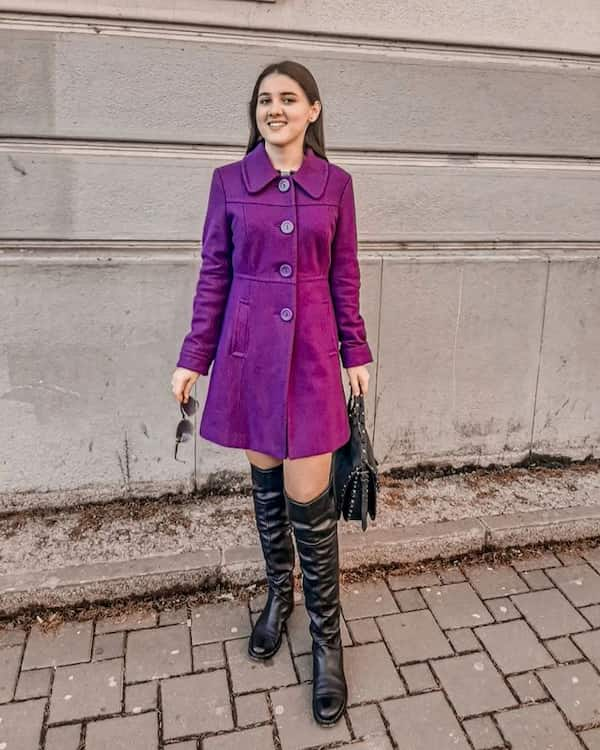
305, 478
262, 460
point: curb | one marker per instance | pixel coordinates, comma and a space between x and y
80, 584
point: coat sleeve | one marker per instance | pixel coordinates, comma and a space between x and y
214, 280
344, 281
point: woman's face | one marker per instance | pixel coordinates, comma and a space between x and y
282, 100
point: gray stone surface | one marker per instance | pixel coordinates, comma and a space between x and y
419, 677
413, 636
490, 581
66, 737
473, 684
364, 631
208, 656
370, 674
367, 599
158, 652
527, 687
196, 703
296, 725
549, 613
409, 600
537, 726
220, 622
141, 697
81, 691
514, 646
34, 683
576, 690
456, 605
10, 660
579, 583
483, 733
123, 733
251, 709
70, 643
423, 722
258, 738
109, 646
248, 675
21, 724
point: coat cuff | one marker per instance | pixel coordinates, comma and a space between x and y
194, 362
354, 355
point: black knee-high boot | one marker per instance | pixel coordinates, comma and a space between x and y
277, 545
315, 529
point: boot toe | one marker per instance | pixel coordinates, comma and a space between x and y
328, 708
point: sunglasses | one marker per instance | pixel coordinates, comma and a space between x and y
185, 428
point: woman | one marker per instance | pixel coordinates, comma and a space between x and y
278, 286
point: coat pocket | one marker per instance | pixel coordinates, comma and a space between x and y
239, 335
331, 329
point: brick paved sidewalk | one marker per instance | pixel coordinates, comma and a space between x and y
476, 657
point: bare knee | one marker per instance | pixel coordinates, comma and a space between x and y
306, 478
262, 460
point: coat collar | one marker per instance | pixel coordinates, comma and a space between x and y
258, 171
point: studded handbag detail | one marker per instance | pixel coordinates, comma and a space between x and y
355, 473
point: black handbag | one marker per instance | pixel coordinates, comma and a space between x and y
355, 477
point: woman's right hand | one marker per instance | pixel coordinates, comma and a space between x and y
182, 383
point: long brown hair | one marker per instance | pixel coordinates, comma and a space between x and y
314, 136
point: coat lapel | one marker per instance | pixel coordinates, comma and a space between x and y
258, 171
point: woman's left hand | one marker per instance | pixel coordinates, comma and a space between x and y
359, 379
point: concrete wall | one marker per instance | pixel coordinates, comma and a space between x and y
472, 131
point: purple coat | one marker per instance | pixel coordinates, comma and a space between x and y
278, 287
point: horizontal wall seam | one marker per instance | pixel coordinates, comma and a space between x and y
285, 39
225, 153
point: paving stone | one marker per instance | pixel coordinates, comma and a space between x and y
452, 575
483, 733
576, 690
364, 631
536, 727
563, 650
463, 640
128, 621
570, 558
81, 691
251, 709
208, 656
258, 601
34, 683
370, 674
537, 580
473, 684
123, 733
502, 609
419, 677
412, 580
345, 634
21, 724
194, 704
456, 605
189, 745
366, 720
534, 562
63, 738
413, 636
248, 675
591, 739
108, 646
377, 742
579, 583
141, 697
177, 616
527, 687
304, 667
292, 708
549, 613
258, 738
12, 637
491, 581
220, 621
424, 722
409, 600
514, 646
70, 643
367, 599
589, 643
592, 614
10, 660
157, 653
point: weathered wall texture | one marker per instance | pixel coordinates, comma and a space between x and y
473, 134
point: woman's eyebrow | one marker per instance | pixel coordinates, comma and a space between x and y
282, 93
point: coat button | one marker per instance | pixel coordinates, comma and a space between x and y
284, 184
286, 314
287, 226
285, 269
